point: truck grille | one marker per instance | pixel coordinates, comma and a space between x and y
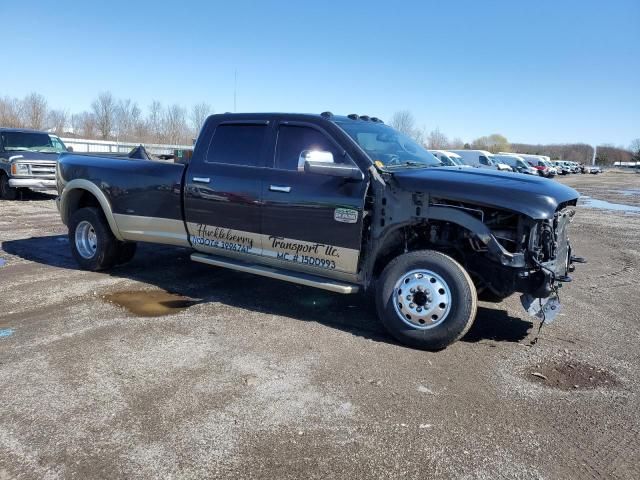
43, 169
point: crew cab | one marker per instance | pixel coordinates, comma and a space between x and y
342, 203
27, 160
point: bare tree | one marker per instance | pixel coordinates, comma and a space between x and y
437, 140
404, 122
10, 115
84, 124
34, 111
76, 123
127, 118
175, 124
104, 111
457, 143
635, 147
155, 121
57, 121
199, 114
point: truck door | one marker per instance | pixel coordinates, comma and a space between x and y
223, 189
311, 222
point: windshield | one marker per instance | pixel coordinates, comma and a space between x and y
387, 146
32, 142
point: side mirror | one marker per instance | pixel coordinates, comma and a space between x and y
69, 149
322, 163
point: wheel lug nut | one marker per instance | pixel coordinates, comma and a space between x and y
409, 297
420, 288
412, 290
419, 309
412, 305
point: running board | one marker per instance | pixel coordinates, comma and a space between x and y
287, 276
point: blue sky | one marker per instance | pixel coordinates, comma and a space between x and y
535, 71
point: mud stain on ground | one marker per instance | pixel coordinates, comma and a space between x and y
150, 303
567, 374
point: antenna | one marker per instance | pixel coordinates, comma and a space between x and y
235, 89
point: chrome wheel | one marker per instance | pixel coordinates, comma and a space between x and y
422, 299
86, 240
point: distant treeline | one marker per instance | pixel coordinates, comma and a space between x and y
576, 152
404, 121
108, 118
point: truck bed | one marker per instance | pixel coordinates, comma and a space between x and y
133, 187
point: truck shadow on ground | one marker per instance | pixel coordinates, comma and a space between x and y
170, 269
31, 195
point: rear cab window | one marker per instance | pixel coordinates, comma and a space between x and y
237, 144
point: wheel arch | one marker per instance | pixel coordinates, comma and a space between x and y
79, 193
392, 240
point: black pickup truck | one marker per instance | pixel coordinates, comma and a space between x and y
343, 203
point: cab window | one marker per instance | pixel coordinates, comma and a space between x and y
484, 160
293, 140
57, 143
237, 144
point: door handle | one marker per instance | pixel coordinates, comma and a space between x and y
201, 179
280, 188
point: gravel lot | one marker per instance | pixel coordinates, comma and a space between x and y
255, 378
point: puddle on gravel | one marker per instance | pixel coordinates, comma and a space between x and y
6, 332
570, 375
150, 303
589, 202
3, 262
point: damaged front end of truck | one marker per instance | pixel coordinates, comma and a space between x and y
510, 236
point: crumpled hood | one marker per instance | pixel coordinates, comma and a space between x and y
529, 195
31, 156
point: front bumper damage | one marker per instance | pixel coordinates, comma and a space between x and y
543, 302
33, 183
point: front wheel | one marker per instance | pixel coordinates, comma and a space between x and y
7, 192
426, 299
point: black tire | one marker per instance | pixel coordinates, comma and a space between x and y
126, 252
106, 251
452, 324
7, 192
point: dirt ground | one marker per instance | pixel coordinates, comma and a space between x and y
239, 376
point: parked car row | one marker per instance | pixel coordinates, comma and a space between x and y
512, 162
503, 161
565, 167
